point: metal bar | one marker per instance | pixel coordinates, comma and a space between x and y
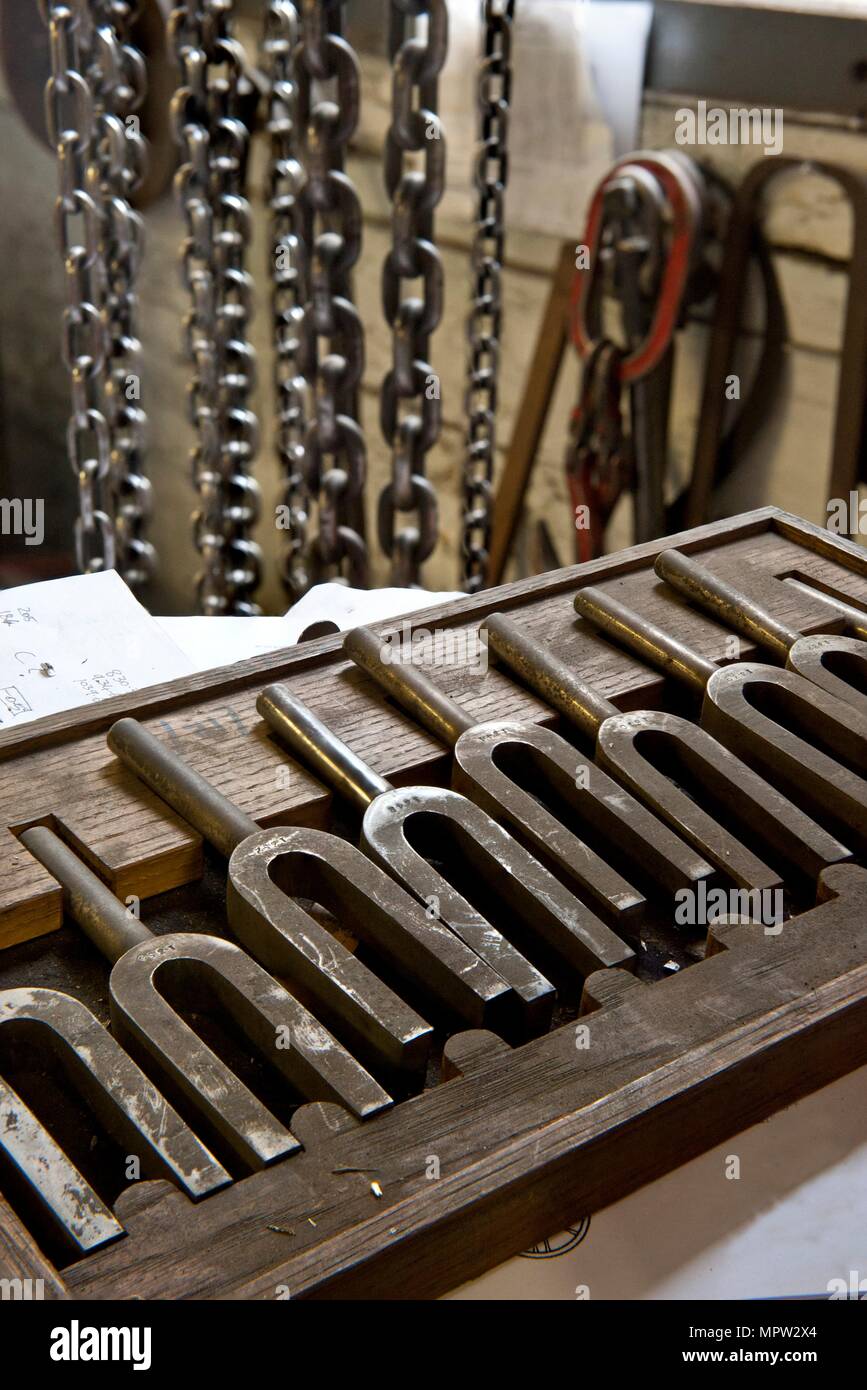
213, 815
734, 608
652, 643
320, 749
109, 925
556, 683
409, 686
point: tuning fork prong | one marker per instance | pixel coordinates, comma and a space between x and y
152, 1028
121, 1097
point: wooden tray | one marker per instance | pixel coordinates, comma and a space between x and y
527, 1139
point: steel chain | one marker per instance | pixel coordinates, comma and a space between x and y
289, 272
484, 322
410, 407
210, 185
335, 462
71, 125
118, 85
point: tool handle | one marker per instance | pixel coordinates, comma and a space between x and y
722, 600
213, 815
855, 618
648, 641
547, 675
409, 686
318, 748
102, 917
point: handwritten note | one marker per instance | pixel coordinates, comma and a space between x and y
71, 642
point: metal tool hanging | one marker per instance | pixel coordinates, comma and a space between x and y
289, 271
335, 454
484, 322
642, 237
208, 112
96, 87
410, 407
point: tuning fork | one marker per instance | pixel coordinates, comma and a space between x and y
278, 931
123, 1099
533, 903
626, 746
616, 817
743, 706
811, 657
151, 1028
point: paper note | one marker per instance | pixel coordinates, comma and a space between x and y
71, 642
212, 642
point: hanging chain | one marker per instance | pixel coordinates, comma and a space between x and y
84, 342
335, 452
210, 185
289, 273
485, 317
410, 409
119, 90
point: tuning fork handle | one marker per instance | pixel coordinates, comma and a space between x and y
213, 815
409, 686
110, 925
652, 643
726, 602
555, 682
318, 748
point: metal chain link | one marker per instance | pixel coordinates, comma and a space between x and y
71, 125
118, 84
289, 272
210, 187
484, 322
410, 407
333, 358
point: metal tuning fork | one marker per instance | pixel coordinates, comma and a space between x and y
278, 931
125, 1103
653, 753
754, 710
530, 901
812, 657
598, 802
203, 969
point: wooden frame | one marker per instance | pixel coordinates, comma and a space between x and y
525, 1140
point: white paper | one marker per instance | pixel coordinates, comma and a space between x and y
71, 642
212, 642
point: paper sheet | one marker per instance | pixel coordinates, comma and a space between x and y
71, 642
211, 642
